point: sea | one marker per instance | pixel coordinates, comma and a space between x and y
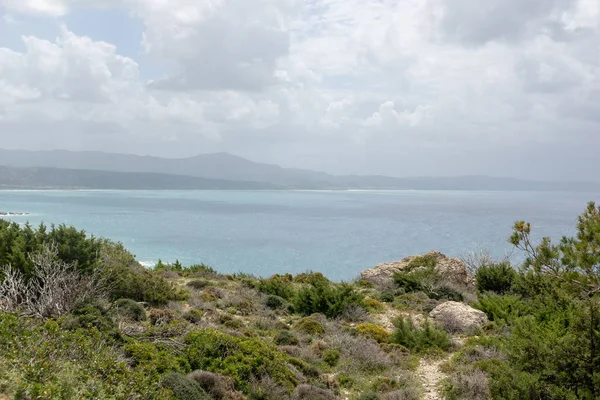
339, 233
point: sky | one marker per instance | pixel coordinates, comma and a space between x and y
392, 87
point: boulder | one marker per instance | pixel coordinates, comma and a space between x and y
452, 269
458, 317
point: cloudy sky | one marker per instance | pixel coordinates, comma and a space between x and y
396, 87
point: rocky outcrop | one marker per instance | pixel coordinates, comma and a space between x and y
451, 269
458, 317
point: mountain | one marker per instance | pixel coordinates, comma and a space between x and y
58, 178
222, 170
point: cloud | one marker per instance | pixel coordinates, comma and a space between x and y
341, 85
217, 44
50, 8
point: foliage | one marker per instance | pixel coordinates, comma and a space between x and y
41, 360
277, 285
196, 270
369, 396
198, 284
331, 357
242, 359
149, 354
326, 298
422, 340
310, 326
373, 306
130, 309
73, 246
285, 338
372, 331
274, 302
495, 277
183, 387
219, 387
130, 280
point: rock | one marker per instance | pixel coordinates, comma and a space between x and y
451, 268
458, 317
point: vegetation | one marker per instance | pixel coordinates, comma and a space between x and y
80, 318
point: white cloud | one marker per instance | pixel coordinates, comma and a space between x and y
355, 78
51, 8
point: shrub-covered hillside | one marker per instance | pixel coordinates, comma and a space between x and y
81, 319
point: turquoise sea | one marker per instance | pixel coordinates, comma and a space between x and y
339, 233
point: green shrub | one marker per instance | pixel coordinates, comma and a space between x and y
331, 357
311, 278
130, 309
275, 302
194, 316
387, 296
373, 306
325, 298
421, 340
310, 326
193, 270
445, 293
285, 338
498, 278
91, 315
374, 332
147, 353
277, 285
198, 284
129, 280
44, 361
243, 359
502, 308
426, 261
183, 388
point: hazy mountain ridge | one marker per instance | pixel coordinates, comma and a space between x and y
60, 178
223, 170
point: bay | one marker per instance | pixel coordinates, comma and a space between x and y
339, 233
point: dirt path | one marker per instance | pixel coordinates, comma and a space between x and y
430, 375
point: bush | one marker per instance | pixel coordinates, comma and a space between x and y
194, 316
422, 339
502, 308
198, 284
471, 384
308, 392
128, 279
219, 387
372, 331
159, 316
130, 309
310, 326
426, 261
325, 298
242, 359
42, 360
498, 278
373, 305
445, 293
331, 357
285, 338
91, 315
183, 388
275, 302
277, 285
147, 353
